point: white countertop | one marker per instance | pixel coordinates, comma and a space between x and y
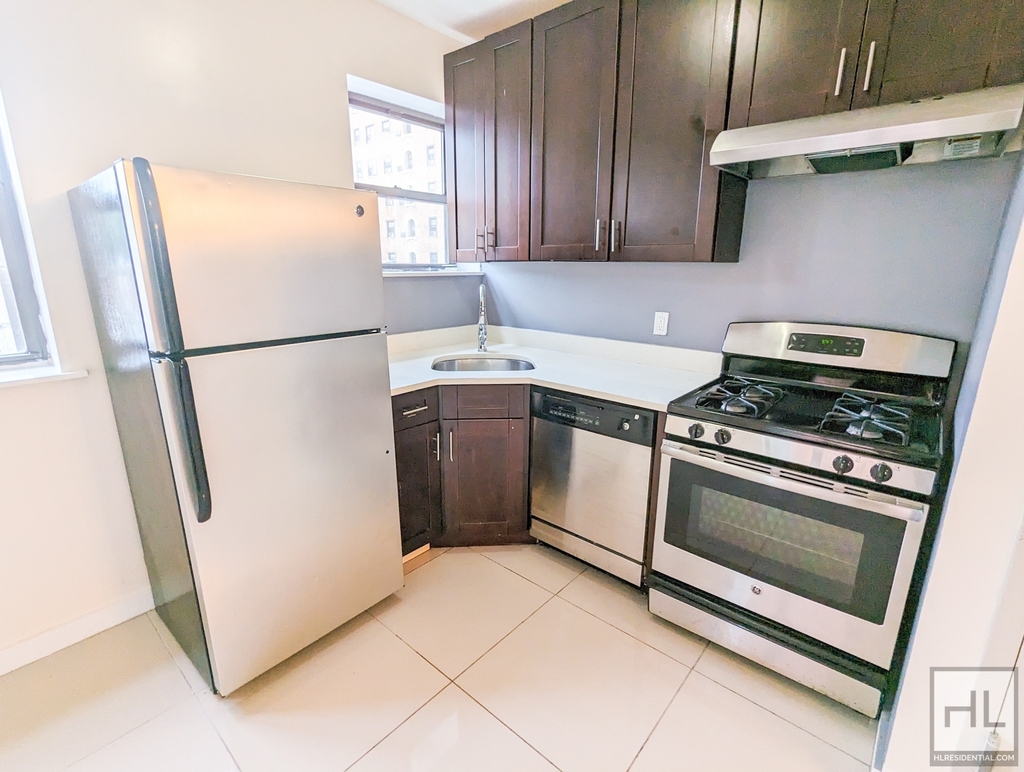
636, 383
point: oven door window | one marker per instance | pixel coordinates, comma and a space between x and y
841, 556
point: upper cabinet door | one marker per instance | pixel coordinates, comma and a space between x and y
507, 143
575, 49
673, 89
920, 48
465, 91
794, 59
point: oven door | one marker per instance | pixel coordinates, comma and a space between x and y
831, 561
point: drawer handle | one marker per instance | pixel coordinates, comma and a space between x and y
414, 410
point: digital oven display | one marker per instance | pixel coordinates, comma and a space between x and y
826, 344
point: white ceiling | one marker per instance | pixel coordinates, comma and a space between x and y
469, 20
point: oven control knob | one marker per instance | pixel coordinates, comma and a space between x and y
881, 473
696, 431
843, 464
722, 436
624, 425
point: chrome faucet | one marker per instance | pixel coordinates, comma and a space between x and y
481, 327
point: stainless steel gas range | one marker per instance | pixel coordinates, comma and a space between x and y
795, 494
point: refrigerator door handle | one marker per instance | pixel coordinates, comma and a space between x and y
200, 479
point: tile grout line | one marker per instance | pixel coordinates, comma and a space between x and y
404, 721
506, 635
513, 731
703, 648
521, 576
660, 719
805, 730
413, 649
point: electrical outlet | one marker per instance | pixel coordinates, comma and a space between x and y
661, 322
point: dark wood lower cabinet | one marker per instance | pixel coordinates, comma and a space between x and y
484, 463
417, 458
462, 481
484, 481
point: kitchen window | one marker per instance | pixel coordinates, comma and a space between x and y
417, 189
22, 337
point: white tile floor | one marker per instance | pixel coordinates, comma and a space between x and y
502, 658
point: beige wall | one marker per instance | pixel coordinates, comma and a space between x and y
256, 87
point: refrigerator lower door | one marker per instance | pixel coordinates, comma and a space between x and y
301, 503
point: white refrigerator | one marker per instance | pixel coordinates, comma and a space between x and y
241, 323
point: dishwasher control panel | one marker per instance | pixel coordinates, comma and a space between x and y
595, 415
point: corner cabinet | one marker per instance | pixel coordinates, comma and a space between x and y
800, 58
487, 103
485, 462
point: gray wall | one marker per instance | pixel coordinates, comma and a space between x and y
429, 302
905, 248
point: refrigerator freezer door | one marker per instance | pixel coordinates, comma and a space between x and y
303, 532
238, 259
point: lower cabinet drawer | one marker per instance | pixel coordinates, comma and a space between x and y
415, 408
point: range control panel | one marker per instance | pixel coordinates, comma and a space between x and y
836, 345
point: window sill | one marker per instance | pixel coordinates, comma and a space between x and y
461, 269
37, 374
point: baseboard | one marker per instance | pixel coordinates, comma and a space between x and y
44, 644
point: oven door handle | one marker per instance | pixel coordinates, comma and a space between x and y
890, 506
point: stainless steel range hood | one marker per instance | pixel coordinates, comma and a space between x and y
972, 125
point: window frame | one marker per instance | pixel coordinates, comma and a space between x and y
22, 294
403, 116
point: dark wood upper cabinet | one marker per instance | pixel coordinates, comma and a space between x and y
914, 49
575, 52
794, 59
507, 143
668, 202
487, 98
465, 90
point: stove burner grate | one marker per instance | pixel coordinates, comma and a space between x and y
869, 419
740, 396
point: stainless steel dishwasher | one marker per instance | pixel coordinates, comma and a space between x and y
590, 472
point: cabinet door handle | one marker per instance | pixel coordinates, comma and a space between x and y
491, 239
451, 444
614, 236
414, 410
842, 69
597, 235
437, 446
871, 66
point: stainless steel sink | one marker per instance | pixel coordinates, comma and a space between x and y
482, 363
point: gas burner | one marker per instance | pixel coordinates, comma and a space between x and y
869, 419
741, 397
